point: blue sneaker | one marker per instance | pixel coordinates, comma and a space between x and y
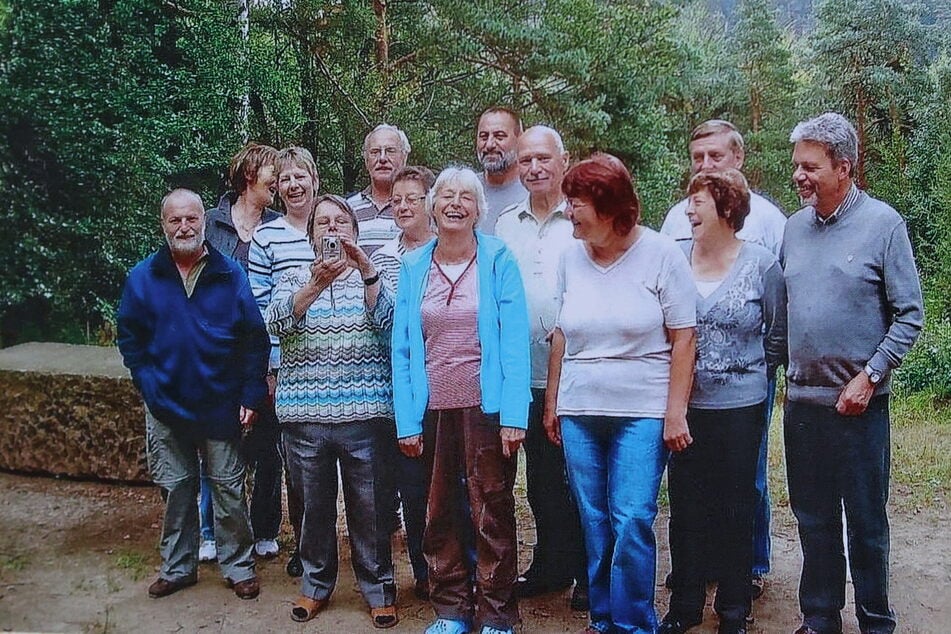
446, 626
494, 630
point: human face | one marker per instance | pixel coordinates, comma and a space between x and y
819, 180
183, 222
703, 216
262, 190
588, 225
455, 209
541, 167
384, 156
329, 219
496, 139
409, 207
714, 152
296, 187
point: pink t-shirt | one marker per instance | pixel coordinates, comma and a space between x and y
450, 313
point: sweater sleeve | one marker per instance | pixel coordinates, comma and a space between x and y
260, 262
514, 344
133, 332
774, 318
279, 315
903, 301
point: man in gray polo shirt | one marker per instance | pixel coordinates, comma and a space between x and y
855, 309
496, 139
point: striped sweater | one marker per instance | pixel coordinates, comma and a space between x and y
335, 364
276, 247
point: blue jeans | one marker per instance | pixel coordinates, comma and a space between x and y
761, 512
173, 463
206, 514
835, 462
614, 467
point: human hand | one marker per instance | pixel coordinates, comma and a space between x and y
855, 395
676, 433
412, 446
552, 424
246, 417
271, 380
324, 272
356, 257
512, 438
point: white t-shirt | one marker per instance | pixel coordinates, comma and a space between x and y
763, 226
617, 353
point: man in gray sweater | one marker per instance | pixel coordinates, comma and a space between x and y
855, 309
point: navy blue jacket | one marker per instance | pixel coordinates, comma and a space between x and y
195, 359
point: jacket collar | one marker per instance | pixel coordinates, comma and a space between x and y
162, 263
487, 248
222, 213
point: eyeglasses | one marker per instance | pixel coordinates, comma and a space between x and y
412, 201
389, 151
340, 221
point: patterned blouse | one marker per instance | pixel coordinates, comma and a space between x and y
335, 360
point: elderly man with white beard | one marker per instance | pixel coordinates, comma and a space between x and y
194, 341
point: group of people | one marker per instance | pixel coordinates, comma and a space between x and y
424, 329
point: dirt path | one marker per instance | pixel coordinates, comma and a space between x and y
78, 557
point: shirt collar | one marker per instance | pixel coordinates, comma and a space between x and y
525, 210
841, 210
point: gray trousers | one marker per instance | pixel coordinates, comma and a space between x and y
313, 452
173, 463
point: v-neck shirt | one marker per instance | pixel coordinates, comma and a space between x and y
615, 320
740, 331
450, 316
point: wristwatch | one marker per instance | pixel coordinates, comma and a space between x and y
874, 376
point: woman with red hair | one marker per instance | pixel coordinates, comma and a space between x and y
619, 378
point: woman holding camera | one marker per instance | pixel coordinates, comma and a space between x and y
334, 401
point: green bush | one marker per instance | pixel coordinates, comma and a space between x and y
927, 368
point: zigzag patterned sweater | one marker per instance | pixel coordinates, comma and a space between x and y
335, 360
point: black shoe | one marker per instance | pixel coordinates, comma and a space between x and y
421, 590
579, 598
531, 585
674, 626
294, 566
732, 627
805, 629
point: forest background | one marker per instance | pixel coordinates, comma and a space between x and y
106, 104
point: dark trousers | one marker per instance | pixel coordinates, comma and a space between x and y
466, 442
407, 488
314, 451
264, 461
712, 494
559, 547
835, 461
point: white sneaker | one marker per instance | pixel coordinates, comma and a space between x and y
266, 548
208, 551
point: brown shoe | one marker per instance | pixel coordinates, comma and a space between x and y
163, 587
247, 589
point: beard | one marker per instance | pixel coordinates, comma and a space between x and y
186, 246
497, 162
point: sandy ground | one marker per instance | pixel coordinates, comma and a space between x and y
78, 557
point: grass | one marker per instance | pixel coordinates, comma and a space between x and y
921, 453
134, 563
13, 563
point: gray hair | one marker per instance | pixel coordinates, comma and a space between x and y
404, 140
466, 179
719, 126
181, 192
559, 143
833, 131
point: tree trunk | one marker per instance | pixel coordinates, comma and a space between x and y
244, 99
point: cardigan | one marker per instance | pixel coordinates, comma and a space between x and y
505, 369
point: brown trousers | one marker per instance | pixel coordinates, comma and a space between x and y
461, 443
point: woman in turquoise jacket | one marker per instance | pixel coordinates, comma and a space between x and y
461, 389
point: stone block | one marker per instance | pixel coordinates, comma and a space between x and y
70, 410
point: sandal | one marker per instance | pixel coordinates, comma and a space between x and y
306, 608
384, 617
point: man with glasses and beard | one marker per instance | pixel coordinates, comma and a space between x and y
194, 341
496, 148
